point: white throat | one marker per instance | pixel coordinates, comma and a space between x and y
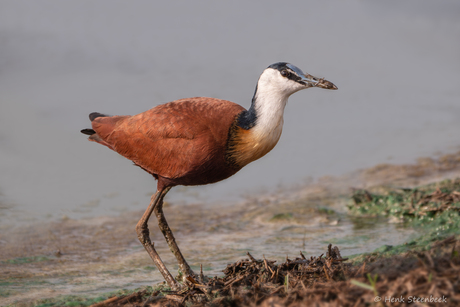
269, 105
269, 102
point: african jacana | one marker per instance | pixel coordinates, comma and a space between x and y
199, 140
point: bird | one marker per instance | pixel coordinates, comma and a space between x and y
198, 141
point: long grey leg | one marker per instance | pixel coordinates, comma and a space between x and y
143, 234
164, 227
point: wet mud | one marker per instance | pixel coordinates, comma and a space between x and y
427, 278
80, 262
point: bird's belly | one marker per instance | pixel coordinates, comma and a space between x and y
205, 175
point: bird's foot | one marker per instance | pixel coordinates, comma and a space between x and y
191, 277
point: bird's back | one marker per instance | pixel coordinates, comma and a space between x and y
181, 143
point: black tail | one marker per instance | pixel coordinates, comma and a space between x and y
92, 117
95, 115
88, 131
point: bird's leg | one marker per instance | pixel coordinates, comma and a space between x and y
143, 234
164, 227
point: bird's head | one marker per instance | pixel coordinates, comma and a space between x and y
288, 79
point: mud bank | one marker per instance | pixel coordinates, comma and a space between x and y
90, 258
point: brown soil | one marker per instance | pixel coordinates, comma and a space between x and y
430, 278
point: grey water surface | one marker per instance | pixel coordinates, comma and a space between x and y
396, 63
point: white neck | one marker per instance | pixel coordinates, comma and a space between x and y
261, 128
269, 102
269, 108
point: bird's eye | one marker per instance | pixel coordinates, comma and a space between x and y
285, 73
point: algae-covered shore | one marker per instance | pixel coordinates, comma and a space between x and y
393, 232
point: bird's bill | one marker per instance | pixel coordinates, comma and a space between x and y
318, 82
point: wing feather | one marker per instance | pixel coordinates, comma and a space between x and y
174, 139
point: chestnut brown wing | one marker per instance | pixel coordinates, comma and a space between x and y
173, 139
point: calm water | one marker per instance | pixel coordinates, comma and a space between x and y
397, 66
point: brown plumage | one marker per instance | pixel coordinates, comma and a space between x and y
193, 131
198, 141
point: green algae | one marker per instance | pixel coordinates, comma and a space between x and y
418, 203
282, 217
23, 260
326, 210
432, 210
149, 268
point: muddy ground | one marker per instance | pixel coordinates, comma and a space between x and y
420, 278
81, 262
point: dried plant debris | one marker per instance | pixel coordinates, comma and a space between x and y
428, 278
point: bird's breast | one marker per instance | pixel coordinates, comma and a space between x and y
247, 145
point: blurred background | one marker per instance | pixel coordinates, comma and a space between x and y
396, 63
